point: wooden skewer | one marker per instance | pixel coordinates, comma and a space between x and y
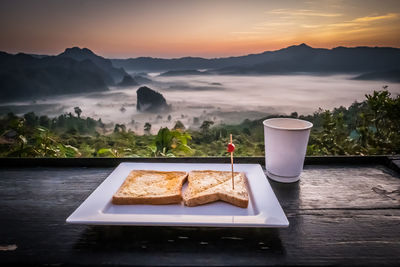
233, 183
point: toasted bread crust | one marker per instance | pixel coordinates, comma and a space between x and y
147, 200
199, 194
192, 201
137, 188
243, 203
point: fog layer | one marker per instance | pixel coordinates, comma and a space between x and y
223, 99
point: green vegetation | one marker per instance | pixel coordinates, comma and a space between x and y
171, 143
370, 127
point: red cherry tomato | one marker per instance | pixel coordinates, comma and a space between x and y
231, 147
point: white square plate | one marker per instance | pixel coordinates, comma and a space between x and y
264, 209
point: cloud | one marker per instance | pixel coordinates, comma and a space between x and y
363, 21
304, 12
317, 24
310, 26
246, 32
343, 24
374, 18
277, 23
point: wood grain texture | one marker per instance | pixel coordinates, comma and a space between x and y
339, 215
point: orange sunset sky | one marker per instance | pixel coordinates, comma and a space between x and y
171, 28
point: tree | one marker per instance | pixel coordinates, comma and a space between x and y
119, 128
334, 137
102, 126
379, 126
205, 126
179, 126
147, 127
44, 121
78, 111
169, 142
31, 119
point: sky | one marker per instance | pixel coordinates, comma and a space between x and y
206, 28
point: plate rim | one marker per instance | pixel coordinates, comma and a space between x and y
95, 217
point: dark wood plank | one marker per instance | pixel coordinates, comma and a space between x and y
395, 164
338, 215
341, 187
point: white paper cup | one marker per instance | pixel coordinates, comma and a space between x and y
285, 148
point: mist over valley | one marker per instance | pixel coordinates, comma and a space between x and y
225, 90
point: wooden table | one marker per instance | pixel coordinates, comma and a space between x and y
344, 211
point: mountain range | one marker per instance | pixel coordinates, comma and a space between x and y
117, 74
25, 77
297, 58
76, 70
79, 70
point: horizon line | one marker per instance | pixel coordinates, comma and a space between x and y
156, 57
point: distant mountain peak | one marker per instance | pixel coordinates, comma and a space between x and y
302, 46
78, 50
81, 54
127, 81
149, 100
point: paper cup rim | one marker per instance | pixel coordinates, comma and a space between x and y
307, 125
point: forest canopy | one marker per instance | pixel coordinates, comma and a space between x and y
370, 127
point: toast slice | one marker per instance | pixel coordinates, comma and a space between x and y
150, 187
209, 186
